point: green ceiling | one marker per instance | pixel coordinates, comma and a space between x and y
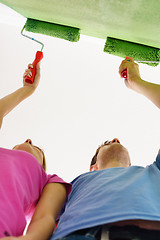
132, 20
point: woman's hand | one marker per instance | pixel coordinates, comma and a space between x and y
133, 74
9, 102
27, 72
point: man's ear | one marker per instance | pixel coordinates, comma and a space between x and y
94, 167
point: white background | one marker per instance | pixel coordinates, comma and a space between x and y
80, 102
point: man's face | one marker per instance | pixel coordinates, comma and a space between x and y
113, 154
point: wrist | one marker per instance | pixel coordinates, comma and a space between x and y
23, 93
137, 84
27, 90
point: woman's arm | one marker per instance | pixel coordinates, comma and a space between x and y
9, 102
134, 81
48, 208
1, 119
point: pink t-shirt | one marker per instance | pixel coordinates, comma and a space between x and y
22, 180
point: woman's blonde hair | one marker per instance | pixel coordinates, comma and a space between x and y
44, 165
44, 162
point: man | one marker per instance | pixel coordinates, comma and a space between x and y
115, 200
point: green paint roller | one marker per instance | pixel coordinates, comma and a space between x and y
55, 30
140, 53
51, 29
38, 58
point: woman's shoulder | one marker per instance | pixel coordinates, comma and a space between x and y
53, 178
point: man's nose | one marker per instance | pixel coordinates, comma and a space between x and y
28, 141
115, 140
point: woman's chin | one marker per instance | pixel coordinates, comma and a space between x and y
23, 147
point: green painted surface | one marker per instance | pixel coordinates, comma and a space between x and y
130, 20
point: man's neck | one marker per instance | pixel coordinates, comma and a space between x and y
112, 164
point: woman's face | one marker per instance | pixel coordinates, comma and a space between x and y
27, 146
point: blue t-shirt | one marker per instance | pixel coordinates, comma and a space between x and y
112, 195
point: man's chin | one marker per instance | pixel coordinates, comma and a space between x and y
119, 150
118, 146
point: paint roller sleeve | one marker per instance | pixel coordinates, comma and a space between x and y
137, 51
68, 33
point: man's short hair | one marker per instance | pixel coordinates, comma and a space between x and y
94, 159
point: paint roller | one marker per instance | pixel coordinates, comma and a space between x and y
140, 53
51, 29
38, 58
68, 33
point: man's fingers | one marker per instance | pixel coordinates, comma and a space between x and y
124, 64
122, 67
130, 59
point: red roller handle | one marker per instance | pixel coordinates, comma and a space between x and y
124, 73
38, 58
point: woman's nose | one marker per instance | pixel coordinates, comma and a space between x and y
28, 141
115, 140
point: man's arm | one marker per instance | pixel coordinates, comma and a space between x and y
9, 102
135, 82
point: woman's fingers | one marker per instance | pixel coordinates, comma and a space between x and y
30, 65
28, 71
28, 74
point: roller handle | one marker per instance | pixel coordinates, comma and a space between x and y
124, 73
38, 58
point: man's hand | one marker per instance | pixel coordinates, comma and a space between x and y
133, 74
27, 72
134, 81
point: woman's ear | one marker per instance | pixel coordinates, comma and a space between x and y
94, 167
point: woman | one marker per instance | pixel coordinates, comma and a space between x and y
25, 188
